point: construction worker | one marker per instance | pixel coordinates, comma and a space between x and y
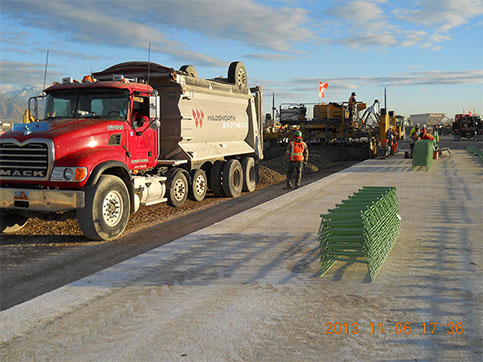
140, 111
352, 105
413, 138
139, 120
298, 156
436, 130
415, 129
425, 135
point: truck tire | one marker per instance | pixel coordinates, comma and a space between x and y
216, 178
237, 74
106, 213
249, 174
232, 178
199, 185
190, 70
12, 222
178, 191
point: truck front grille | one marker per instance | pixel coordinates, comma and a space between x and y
30, 160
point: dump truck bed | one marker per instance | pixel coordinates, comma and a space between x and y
201, 119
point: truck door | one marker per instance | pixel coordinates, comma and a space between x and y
143, 146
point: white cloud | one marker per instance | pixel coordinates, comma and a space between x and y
443, 15
358, 10
422, 23
409, 79
128, 24
440, 17
24, 73
246, 21
270, 57
413, 38
363, 23
369, 40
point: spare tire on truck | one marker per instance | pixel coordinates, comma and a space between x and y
191, 70
106, 213
237, 74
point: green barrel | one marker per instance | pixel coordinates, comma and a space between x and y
423, 154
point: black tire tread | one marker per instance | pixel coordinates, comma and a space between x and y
230, 187
216, 177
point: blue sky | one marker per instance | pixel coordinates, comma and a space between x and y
428, 53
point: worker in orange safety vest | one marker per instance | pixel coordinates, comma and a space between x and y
298, 156
425, 135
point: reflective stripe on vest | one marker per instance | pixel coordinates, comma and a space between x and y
297, 153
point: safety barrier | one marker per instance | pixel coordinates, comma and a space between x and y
472, 150
423, 154
362, 229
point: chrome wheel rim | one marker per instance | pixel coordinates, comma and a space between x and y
112, 208
179, 190
200, 185
242, 78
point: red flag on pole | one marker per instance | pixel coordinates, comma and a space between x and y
470, 112
322, 88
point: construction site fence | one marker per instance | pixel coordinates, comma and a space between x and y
361, 229
472, 150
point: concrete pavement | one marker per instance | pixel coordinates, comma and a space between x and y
248, 288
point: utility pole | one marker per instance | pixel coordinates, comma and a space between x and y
385, 104
273, 107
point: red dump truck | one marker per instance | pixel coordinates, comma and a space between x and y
135, 134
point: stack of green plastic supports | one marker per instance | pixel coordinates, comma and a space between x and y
472, 150
361, 229
423, 154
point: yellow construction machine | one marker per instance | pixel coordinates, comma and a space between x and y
333, 123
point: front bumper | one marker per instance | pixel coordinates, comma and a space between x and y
41, 200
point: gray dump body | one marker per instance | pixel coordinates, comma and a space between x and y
201, 120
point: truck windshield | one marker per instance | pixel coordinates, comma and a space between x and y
87, 103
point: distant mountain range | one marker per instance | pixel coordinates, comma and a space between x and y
14, 103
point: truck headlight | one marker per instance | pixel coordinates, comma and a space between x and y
69, 174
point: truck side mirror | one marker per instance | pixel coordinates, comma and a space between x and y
154, 112
35, 101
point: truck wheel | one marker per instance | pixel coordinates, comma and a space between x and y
190, 70
12, 222
199, 185
178, 192
216, 178
249, 174
233, 178
237, 74
106, 213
